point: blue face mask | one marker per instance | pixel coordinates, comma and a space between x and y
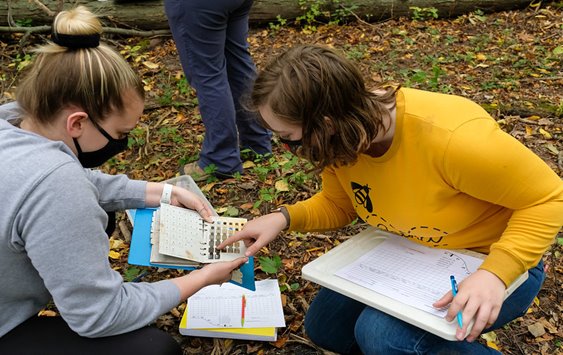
100, 156
292, 145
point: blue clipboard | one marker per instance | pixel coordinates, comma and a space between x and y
140, 249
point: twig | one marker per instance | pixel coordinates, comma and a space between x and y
552, 256
108, 30
18, 29
44, 8
298, 339
11, 21
137, 33
125, 231
516, 342
356, 16
156, 106
60, 5
542, 78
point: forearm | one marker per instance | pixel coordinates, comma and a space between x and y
153, 192
320, 213
190, 284
117, 192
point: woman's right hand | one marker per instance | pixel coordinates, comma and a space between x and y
210, 274
258, 232
217, 273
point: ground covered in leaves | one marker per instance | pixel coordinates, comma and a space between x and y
509, 62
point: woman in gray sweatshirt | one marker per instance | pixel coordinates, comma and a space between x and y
79, 101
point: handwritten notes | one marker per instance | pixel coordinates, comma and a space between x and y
221, 306
408, 272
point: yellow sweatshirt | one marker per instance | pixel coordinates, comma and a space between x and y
451, 179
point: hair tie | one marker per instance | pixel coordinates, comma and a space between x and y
76, 41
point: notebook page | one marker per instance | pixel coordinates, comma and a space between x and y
221, 306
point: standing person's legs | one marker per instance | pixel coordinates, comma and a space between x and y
241, 72
51, 335
199, 30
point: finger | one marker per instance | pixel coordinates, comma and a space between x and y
254, 248
468, 313
444, 301
204, 211
493, 316
238, 262
481, 320
233, 238
457, 305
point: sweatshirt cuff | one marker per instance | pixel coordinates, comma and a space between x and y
169, 294
504, 265
297, 218
138, 192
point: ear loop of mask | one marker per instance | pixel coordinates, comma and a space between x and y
292, 145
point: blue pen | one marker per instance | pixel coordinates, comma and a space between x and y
454, 292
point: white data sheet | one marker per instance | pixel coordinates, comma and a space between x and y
408, 272
221, 306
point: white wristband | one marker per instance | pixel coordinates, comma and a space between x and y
166, 194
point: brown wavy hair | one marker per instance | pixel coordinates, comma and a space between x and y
309, 84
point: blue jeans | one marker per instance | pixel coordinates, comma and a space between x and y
343, 325
211, 38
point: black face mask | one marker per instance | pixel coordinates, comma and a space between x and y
292, 146
100, 156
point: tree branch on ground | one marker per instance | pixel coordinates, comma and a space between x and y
106, 30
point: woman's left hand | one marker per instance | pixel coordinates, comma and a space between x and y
185, 198
479, 298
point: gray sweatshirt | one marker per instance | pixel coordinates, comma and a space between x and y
53, 243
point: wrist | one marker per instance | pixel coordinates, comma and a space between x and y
190, 283
166, 196
283, 211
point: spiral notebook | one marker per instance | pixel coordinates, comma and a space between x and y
231, 312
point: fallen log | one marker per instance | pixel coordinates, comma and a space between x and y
149, 14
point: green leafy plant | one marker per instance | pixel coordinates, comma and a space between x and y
170, 134
22, 61
210, 169
316, 12
357, 52
131, 274
261, 171
268, 194
136, 138
276, 26
270, 265
231, 212
423, 13
559, 109
24, 22
289, 287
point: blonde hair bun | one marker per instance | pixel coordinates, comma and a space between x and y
76, 28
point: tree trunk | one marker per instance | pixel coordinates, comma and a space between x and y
149, 14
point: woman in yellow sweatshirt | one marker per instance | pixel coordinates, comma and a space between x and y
433, 168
